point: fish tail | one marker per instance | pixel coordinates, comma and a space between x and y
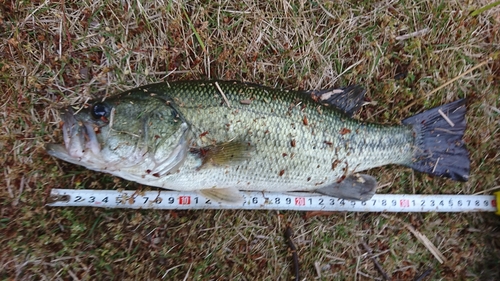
439, 148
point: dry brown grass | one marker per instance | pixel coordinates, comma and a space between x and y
58, 53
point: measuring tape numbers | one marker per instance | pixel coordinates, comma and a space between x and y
175, 200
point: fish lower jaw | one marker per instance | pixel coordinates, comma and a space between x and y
78, 156
134, 168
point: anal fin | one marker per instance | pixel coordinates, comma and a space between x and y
225, 195
354, 187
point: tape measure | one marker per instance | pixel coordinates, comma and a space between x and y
298, 201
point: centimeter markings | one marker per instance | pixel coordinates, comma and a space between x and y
271, 201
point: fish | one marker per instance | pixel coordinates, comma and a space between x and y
221, 137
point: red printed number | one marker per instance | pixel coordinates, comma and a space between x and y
184, 200
300, 201
404, 203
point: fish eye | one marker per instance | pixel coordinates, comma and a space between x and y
100, 110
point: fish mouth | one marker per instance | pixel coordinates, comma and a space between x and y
80, 139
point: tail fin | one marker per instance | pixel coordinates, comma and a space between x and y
440, 149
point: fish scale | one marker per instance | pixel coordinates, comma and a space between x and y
310, 159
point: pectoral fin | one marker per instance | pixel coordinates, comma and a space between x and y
223, 154
354, 187
226, 195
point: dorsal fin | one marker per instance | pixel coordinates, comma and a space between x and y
348, 100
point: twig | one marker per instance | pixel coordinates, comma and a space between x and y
222, 94
423, 275
427, 243
459, 76
326, 11
435, 165
375, 262
452, 80
347, 69
413, 34
488, 190
446, 118
317, 266
187, 273
288, 237
170, 269
495, 109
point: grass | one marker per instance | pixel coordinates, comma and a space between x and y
54, 54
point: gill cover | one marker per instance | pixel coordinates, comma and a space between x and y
144, 136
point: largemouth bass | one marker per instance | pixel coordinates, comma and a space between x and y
218, 137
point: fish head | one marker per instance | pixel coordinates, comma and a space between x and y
130, 136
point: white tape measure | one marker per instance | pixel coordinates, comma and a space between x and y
273, 201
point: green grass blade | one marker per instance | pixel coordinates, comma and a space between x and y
485, 8
191, 25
